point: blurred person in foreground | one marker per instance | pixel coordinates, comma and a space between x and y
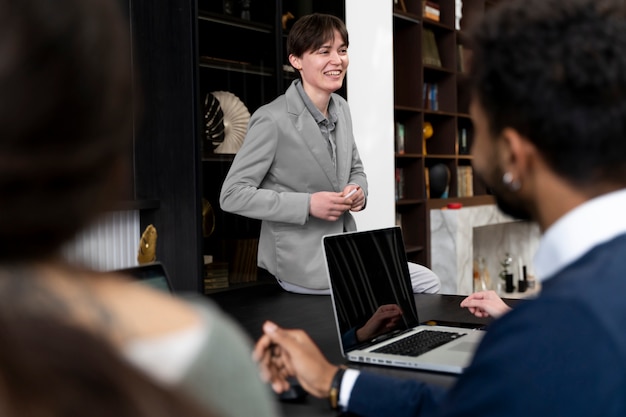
53, 369
66, 118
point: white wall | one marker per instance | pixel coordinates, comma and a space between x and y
370, 95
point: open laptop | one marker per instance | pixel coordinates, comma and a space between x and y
152, 274
369, 278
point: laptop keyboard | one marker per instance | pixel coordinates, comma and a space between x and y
419, 343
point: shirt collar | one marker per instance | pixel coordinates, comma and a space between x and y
580, 230
315, 112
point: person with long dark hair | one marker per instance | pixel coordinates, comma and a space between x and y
66, 120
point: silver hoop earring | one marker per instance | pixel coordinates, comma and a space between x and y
507, 179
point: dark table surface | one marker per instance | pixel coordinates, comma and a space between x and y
313, 313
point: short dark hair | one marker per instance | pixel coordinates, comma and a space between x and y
555, 71
311, 32
66, 108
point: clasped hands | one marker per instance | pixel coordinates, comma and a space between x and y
328, 205
281, 353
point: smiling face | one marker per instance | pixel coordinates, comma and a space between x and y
323, 69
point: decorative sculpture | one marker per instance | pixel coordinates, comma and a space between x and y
236, 118
147, 246
214, 123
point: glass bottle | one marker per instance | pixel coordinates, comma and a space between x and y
482, 280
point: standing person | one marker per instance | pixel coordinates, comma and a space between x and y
299, 160
549, 113
299, 169
66, 119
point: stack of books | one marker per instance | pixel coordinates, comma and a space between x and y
431, 10
215, 276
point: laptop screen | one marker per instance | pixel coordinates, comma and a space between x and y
152, 274
370, 281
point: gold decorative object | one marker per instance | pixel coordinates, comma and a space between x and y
428, 133
236, 118
286, 18
147, 246
428, 130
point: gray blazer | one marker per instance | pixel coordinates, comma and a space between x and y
283, 160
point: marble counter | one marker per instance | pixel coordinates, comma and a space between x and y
458, 237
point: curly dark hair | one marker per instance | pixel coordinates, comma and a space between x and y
556, 72
66, 108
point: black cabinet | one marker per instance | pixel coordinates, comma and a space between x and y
167, 151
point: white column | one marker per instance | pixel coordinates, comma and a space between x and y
370, 95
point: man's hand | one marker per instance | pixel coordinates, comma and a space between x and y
485, 303
282, 353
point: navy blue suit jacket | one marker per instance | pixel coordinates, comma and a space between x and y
562, 354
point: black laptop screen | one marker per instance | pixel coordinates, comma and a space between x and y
369, 274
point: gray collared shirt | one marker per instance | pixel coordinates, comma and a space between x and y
326, 125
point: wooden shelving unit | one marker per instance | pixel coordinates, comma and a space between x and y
432, 91
246, 57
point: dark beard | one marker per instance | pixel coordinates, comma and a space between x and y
513, 209
506, 200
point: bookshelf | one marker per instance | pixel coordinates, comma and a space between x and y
431, 110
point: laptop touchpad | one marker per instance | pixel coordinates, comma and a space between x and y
468, 347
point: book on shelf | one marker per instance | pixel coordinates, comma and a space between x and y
243, 267
467, 58
427, 182
431, 10
399, 184
430, 52
460, 59
464, 180
462, 141
400, 138
431, 96
434, 97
